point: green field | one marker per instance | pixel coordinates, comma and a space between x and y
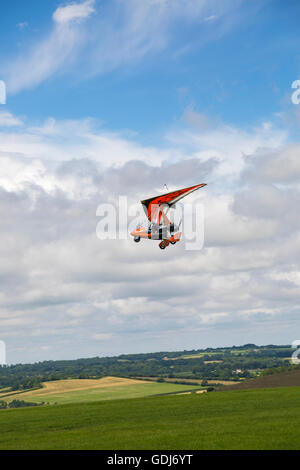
256, 419
109, 388
193, 356
111, 393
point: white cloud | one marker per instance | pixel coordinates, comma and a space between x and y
7, 119
210, 18
279, 166
74, 11
229, 145
23, 25
49, 54
102, 336
64, 286
122, 34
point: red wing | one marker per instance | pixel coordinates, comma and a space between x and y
169, 199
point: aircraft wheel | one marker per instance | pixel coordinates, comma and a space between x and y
137, 239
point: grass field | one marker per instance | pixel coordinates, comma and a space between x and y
85, 390
256, 419
191, 356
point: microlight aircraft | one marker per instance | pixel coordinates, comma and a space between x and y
159, 225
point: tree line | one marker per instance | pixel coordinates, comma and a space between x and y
221, 363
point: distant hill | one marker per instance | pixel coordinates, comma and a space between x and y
233, 363
290, 378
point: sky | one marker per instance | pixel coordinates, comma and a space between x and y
109, 98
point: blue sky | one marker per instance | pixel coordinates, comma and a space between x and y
109, 98
238, 67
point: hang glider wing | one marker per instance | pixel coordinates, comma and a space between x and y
152, 205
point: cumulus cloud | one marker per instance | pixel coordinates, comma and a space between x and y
280, 166
74, 11
229, 145
61, 284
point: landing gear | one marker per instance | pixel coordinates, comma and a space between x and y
137, 239
163, 244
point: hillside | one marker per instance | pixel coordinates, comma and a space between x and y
86, 390
282, 379
252, 419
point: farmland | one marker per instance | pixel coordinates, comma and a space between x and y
156, 412
225, 420
220, 364
289, 378
86, 390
